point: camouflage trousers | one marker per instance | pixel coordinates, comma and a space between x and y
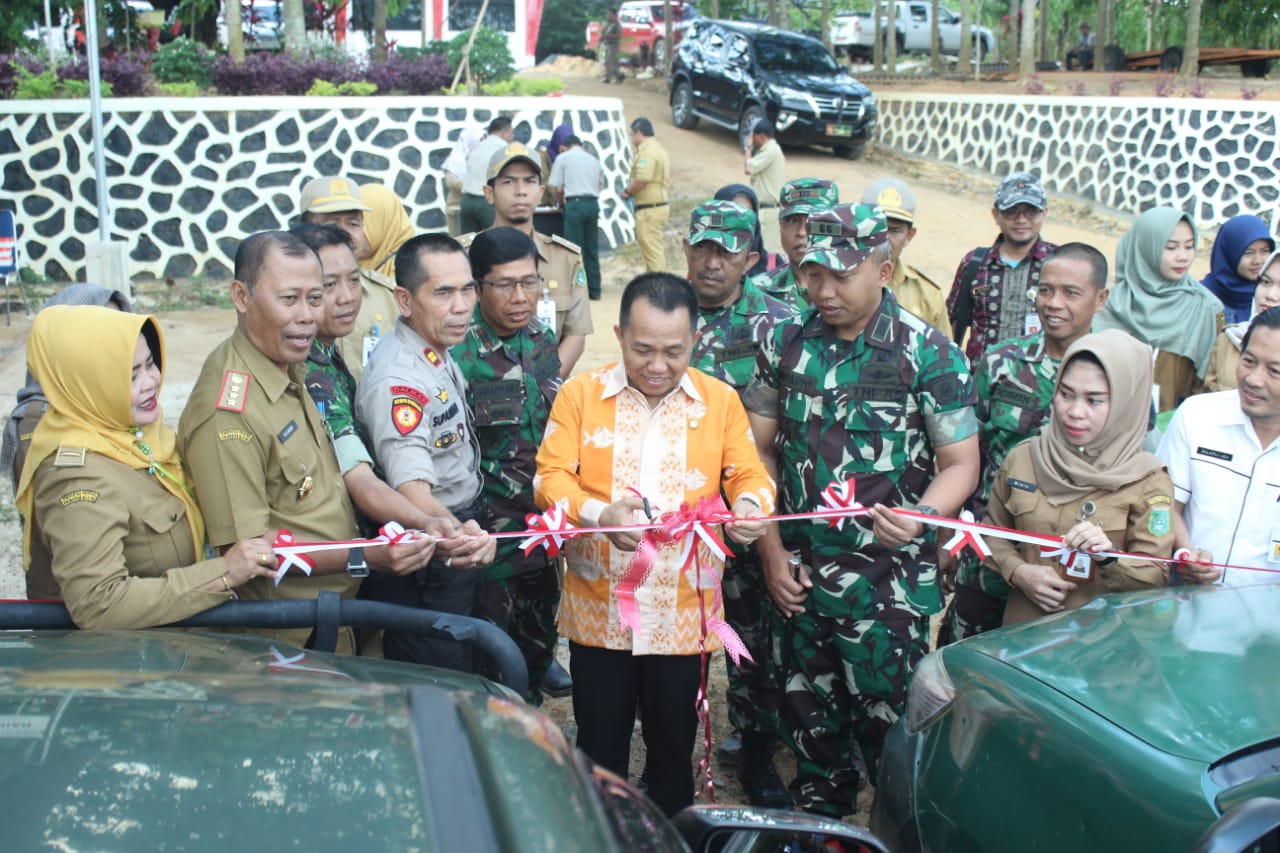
524, 605
754, 690
978, 603
846, 682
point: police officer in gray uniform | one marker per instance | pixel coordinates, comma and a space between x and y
412, 400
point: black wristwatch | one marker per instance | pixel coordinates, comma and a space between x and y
927, 510
356, 565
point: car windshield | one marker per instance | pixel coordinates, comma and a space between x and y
792, 55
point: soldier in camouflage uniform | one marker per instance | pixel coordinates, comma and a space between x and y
331, 385
1015, 386
798, 199
512, 368
733, 317
857, 389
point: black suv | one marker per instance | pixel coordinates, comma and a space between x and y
736, 73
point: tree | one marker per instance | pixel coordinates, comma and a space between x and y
1027, 38
935, 41
891, 37
380, 30
235, 32
965, 55
1191, 50
295, 26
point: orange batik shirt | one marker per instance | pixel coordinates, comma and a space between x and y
602, 439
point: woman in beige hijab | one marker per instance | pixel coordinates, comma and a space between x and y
1085, 477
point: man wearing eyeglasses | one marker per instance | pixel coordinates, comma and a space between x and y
992, 297
411, 398
512, 368
514, 188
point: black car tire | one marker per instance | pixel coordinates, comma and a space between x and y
682, 114
750, 116
850, 152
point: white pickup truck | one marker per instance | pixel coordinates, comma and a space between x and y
853, 33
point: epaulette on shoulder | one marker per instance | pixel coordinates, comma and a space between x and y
69, 457
234, 392
568, 244
920, 274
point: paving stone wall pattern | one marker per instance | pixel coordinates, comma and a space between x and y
1213, 159
188, 179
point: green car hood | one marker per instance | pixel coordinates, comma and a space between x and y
184, 741
1190, 670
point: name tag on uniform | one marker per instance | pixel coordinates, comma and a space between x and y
288, 431
1214, 454
1273, 553
1079, 569
1031, 324
546, 311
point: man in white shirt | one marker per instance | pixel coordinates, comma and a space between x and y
1224, 458
476, 213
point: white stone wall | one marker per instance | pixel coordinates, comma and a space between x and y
1214, 159
189, 178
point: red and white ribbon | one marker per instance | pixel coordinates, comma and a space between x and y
552, 530
839, 497
967, 538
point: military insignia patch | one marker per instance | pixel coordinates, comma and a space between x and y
1158, 524
234, 435
580, 280
406, 408
447, 439
234, 391
79, 496
442, 394
69, 457
431, 355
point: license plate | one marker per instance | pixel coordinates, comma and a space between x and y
839, 130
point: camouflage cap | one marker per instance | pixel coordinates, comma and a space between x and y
807, 195
725, 222
1021, 188
331, 195
892, 196
513, 152
842, 237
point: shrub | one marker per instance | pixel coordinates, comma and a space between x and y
1247, 92
184, 61
523, 87
128, 78
359, 88
1078, 88
1200, 88
31, 86
1034, 85
411, 73
280, 74
1166, 85
185, 89
11, 65
1116, 86
490, 58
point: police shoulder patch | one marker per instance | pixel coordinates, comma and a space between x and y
234, 391
580, 279
69, 457
568, 244
235, 435
79, 496
406, 408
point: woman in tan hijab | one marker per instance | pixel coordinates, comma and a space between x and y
112, 526
1085, 477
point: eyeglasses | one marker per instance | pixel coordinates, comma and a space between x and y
530, 285
1022, 211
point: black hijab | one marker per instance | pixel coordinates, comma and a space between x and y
727, 193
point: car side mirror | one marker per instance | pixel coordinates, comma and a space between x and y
708, 829
1243, 827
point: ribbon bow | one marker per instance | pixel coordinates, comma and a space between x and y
839, 498
288, 553
967, 538
554, 529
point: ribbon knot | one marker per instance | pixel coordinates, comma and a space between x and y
289, 553
553, 529
967, 538
838, 497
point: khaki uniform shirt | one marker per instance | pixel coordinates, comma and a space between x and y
412, 400
1221, 372
261, 459
920, 295
1136, 517
378, 308
768, 170
115, 545
651, 164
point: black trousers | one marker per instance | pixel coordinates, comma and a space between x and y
608, 686
437, 587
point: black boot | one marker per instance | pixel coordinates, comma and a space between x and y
557, 682
758, 775
731, 747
